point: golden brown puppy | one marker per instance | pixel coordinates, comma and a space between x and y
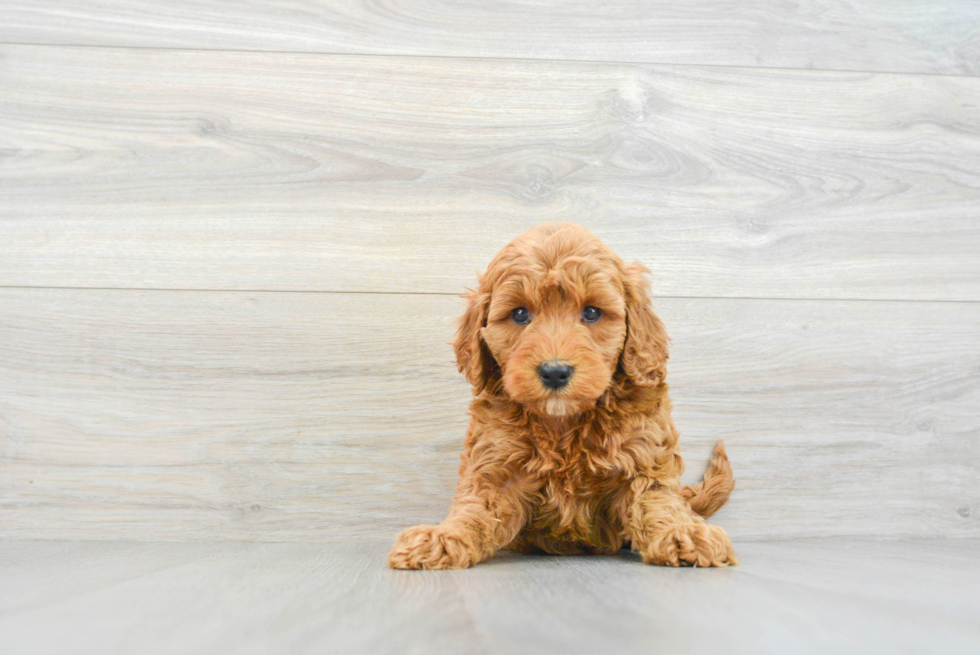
571, 447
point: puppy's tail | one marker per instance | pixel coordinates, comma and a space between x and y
707, 496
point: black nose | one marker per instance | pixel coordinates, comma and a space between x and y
555, 375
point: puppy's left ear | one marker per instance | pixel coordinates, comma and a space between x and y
473, 357
644, 356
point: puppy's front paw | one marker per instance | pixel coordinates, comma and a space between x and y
432, 547
690, 544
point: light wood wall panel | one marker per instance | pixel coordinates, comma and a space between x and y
920, 36
180, 415
210, 170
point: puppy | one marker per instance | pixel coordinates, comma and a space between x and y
570, 447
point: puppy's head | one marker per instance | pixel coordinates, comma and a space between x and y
558, 319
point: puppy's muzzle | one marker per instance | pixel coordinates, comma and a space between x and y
555, 375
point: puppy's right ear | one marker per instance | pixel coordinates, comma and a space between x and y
473, 358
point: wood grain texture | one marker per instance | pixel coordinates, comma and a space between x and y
919, 36
169, 415
211, 170
792, 597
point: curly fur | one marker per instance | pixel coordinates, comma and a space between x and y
587, 468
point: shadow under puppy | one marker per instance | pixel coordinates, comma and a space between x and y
571, 447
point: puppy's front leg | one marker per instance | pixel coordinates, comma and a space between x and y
484, 518
666, 531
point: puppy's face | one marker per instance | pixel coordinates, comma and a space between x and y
556, 319
556, 332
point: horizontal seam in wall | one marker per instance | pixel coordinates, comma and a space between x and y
656, 296
491, 59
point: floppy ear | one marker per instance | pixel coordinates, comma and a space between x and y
473, 358
644, 356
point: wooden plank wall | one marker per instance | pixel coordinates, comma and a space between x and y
912, 36
231, 238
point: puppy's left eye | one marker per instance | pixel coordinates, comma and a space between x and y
591, 314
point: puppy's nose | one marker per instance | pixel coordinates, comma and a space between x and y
555, 375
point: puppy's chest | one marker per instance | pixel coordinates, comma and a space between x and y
578, 483
576, 475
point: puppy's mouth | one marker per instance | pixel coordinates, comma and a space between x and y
561, 404
557, 406
558, 388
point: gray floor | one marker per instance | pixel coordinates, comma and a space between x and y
815, 596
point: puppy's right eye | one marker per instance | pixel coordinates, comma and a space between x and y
521, 316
